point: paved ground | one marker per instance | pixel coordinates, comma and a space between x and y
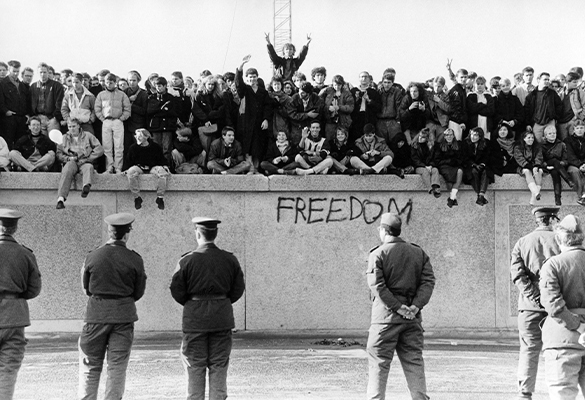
265, 367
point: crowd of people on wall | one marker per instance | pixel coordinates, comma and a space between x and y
237, 123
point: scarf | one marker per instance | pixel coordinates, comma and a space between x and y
507, 144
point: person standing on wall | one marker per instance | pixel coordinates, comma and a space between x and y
206, 282
401, 280
113, 277
20, 280
528, 256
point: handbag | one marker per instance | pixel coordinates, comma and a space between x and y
208, 130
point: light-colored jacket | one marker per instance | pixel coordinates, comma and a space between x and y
83, 109
577, 99
562, 293
114, 105
92, 148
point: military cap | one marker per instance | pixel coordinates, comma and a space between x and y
204, 222
120, 220
571, 223
392, 220
545, 211
9, 217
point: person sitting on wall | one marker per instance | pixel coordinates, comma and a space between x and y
476, 152
226, 155
371, 153
314, 155
528, 155
33, 152
188, 153
576, 158
280, 156
341, 152
502, 159
422, 156
146, 157
77, 153
4, 155
402, 161
449, 161
554, 156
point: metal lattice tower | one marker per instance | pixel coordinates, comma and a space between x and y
282, 24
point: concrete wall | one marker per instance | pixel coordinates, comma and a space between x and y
303, 243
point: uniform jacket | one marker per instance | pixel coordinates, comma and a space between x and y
93, 148
19, 275
114, 279
26, 146
529, 254
575, 150
53, 95
562, 288
207, 271
113, 104
399, 273
83, 109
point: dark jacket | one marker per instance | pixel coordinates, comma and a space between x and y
219, 151
528, 157
162, 113
208, 107
190, 148
208, 271
554, 151
53, 95
575, 150
449, 156
286, 67
414, 119
421, 155
340, 152
402, 154
13, 99
552, 107
501, 162
137, 118
488, 110
458, 104
509, 108
26, 146
273, 151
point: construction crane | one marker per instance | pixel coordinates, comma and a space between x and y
282, 24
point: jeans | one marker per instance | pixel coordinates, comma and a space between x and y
113, 141
68, 173
134, 173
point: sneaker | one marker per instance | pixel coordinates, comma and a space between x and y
60, 205
450, 202
85, 190
455, 202
537, 197
161, 203
138, 203
581, 201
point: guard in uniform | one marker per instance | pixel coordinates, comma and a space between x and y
528, 256
562, 288
401, 280
114, 279
20, 280
206, 282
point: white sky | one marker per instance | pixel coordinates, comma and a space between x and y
495, 37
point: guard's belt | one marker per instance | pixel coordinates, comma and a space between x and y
108, 296
205, 297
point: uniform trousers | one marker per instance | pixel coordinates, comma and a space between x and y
565, 373
202, 351
530, 346
408, 342
12, 344
94, 342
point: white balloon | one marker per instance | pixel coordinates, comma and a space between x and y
56, 136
